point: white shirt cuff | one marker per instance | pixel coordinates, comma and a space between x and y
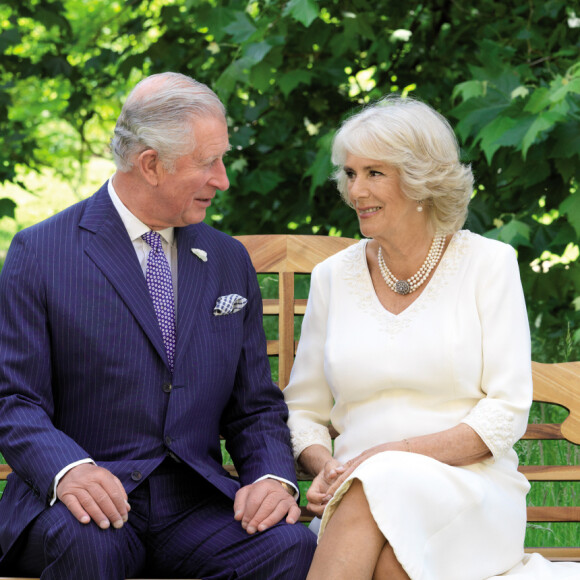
296, 492
62, 473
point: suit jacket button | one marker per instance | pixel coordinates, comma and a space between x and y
168, 440
167, 387
136, 476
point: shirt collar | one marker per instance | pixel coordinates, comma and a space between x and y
135, 227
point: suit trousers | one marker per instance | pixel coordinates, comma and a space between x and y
179, 526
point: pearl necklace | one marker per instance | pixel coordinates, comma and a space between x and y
415, 281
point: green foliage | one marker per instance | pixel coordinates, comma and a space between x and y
507, 74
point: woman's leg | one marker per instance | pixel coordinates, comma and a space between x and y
352, 542
388, 567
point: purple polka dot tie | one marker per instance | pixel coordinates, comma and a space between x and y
160, 286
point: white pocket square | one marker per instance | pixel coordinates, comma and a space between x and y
229, 304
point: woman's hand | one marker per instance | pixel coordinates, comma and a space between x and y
353, 463
318, 494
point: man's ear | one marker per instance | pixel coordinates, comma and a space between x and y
150, 166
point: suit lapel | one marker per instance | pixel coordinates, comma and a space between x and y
191, 282
112, 251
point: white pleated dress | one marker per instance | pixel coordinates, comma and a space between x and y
459, 353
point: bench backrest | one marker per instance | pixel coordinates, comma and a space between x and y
286, 256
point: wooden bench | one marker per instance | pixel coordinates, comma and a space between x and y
559, 383
287, 256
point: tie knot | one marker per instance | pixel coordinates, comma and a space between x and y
154, 240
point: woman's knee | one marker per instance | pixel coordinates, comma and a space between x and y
354, 504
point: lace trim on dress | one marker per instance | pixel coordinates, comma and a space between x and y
314, 434
494, 424
358, 278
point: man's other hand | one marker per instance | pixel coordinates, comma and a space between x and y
94, 493
264, 503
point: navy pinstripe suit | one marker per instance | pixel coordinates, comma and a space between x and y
83, 369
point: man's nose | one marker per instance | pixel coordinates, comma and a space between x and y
220, 177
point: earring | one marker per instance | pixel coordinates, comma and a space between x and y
420, 205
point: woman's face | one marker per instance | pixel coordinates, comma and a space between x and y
375, 193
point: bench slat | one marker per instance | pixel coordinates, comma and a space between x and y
553, 514
551, 472
543, 431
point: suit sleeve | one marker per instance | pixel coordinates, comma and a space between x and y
30, 443
254, 421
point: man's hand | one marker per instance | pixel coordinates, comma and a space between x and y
262, 504
92, 492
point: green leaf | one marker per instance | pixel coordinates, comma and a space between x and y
544, 122
570, 207
289, 81
242, 28
539, 100
304, 11
567, 168
7, 207
469, 90
242, 137
567, 140
262, 181
237, 71
476, 113
491, 134
515, 233
256, 51
572, 86
226, 82
321, 169
513, 136
261, 75
9, 38
215, 20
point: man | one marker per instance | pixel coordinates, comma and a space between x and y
124, 355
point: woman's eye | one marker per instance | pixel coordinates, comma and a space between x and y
374, 173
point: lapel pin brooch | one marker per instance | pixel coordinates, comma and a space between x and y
201, 254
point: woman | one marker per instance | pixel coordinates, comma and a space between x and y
416, 347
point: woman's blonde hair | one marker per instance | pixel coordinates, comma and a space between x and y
420, 143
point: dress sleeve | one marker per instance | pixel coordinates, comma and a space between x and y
500, 418
308, 395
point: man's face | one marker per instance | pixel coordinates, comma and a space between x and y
182, 197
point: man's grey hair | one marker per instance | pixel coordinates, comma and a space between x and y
159, 114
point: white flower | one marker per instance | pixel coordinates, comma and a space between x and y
201, 254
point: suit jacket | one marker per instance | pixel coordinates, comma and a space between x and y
83, 369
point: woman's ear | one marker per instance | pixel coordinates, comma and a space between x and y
150, 166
